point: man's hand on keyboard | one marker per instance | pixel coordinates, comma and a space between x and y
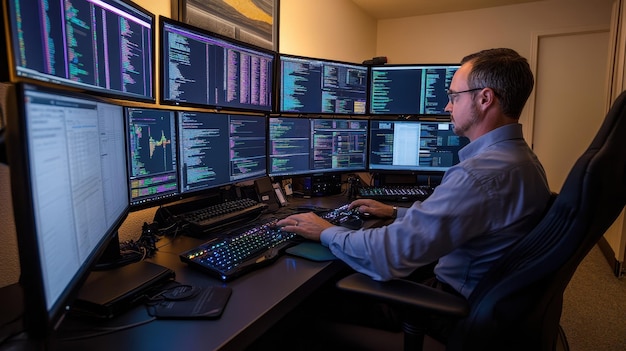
308, 225
373, 207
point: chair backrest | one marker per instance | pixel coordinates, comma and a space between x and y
517, 305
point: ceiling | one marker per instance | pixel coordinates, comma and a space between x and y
387, 9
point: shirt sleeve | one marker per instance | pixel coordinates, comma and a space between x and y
420, 235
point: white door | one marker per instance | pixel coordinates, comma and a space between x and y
571, 88
570, 104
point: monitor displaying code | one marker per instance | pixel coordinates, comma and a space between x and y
218, 149
202, 69
410, 89
316, 145
413, 146
103, 46
317, 86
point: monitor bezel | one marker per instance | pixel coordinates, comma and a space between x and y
279, 86
407, 66
39, 321
163, 21
48, 80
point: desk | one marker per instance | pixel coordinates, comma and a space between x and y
259, 299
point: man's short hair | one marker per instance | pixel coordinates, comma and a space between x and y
507, 73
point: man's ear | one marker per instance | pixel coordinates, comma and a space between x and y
487, 98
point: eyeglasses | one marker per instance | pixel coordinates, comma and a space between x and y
451, 93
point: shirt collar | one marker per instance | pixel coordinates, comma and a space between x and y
506, 132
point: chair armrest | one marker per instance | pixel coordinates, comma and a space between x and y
407, 293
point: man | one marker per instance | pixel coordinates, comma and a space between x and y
495, 194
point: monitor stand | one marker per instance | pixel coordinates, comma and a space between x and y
116, 281
112, 258
106, 294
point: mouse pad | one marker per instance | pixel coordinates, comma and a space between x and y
191, 302
312, 251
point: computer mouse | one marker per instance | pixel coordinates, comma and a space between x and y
274, 227
366, 215
353, 222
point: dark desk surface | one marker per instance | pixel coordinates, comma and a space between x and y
259, 299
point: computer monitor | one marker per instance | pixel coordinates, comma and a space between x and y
410, 89
152, 156
300, 146
217, 149
69, 187
102, 46
316, 86
412, 145
203, 69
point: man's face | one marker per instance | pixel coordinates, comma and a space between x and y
461, 105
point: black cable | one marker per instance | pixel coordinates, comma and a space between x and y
104, 330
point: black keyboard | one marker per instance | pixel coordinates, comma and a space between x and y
211, 218
397, 192
231, 256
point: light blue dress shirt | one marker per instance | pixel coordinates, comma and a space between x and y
495, 194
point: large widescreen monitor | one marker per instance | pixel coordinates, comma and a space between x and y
102, 46
203, 69
217, 149
316, 86
69, 188
412, 145
316, 145
410, 89
152, 155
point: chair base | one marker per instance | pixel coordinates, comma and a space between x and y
354, 337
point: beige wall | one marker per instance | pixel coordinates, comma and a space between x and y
331, 29
337, 29
9, 265
9, 260
446, 37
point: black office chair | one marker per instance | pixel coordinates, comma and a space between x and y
517, 305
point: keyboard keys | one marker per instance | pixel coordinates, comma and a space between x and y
231, 256
211, 218
396, 193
